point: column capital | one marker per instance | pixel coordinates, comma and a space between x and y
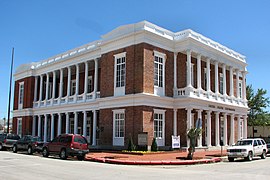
231, 68
189, 108
217, 112
175, 54
67, 113
199, 110
244, 72
199, 56
189, 51
175, 109
216, 62
225, 113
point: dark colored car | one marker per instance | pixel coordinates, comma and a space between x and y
28, 143
66, 145
7, 140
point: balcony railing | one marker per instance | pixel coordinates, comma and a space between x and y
192, 92
67, 100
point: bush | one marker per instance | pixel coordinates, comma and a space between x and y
131, 146
154, 145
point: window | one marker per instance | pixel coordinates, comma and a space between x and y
221, 79
205, 78
73, 87
119, 124
19, 127
71, 125
240, 88
158, 71
222, 128
192, 74
89, 87
21, 94
120, 71
241, 129
158, 125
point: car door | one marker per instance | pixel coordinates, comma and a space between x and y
20, 143
27, 140
53, 144
260, 149
256, 147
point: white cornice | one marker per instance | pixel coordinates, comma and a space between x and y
129, 35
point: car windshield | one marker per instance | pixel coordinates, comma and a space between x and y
244, 142
36, 139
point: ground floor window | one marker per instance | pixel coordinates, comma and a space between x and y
119, 124
158, 125
19, 127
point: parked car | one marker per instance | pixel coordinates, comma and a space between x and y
66, 145
247, 148
268, 147
28, 143
7, 140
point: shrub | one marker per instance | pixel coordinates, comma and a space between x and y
154, 145
131, 146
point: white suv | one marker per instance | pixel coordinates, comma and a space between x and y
247, 148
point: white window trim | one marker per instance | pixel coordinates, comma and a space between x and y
20, 105
88, 78
118, 91
192, 74
71, 87
163, 56
19, 119
160, 111
205, 78
118, 111
221, 84
240, 88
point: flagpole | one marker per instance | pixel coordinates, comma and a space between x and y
10, 83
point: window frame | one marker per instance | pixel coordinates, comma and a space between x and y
119, 90
221, 85
160, 131
118, 131
89, 84
21, 95
159, 88
72, 88
19, 126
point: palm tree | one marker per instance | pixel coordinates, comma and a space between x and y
193, 135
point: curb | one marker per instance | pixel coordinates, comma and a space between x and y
128, 162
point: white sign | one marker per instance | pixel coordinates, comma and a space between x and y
142, 139
175, 142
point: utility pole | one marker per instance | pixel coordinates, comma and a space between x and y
10, 83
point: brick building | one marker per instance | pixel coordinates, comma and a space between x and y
138, 78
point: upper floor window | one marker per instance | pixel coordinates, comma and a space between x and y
89, 87
221, 80
192, 74
73, 86
205, 78
159, 73
240, 88
21, 94
120, 73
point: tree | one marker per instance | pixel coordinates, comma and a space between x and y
193, 135
257, 102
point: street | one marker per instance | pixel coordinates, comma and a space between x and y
22, 166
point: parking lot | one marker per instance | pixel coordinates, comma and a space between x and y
23, 166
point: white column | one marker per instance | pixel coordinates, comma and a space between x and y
84, 123
86, 78
94, 128
75, 122
175, 71
232, 130
41, 87
208, 67
47, 86
54, 85
209, 129
52, 126
96, 78
244, 84
189, 68
39, 125
216, 78
217, 129
231, 81
239, 127
225, 141
224, 79
35, 94
189, 119
45, 127
67, 122
175, 122
245, 126
199, 74
59, 125
68, 81
199, 141
61, 83
77, 78
34, 125
237, 84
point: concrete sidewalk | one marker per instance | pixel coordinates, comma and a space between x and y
156, 158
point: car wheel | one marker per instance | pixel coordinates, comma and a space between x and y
29, 150
231, 159
63, 154
263, 156
14, 148
45, 152
80, 158
250, 156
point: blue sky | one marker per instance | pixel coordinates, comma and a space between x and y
40, 29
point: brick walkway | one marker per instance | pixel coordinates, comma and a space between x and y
161, 157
